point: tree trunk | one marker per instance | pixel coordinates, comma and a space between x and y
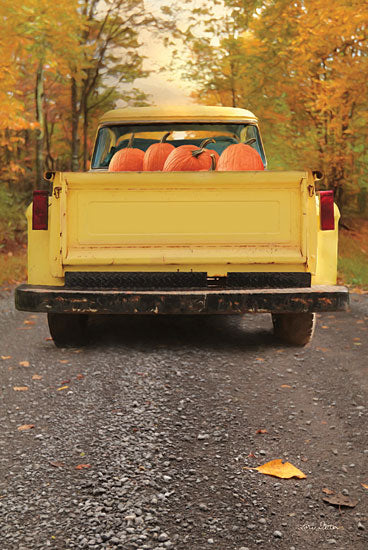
40, 120
85, 134
75, 120
49, 159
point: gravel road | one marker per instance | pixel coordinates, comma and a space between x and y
140, 441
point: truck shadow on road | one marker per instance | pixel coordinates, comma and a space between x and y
172, 331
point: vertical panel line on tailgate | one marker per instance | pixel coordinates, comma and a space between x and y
303, 209
63, 221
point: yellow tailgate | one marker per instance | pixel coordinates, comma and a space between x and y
183, 220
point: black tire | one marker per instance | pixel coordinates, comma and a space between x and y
68, 329
294, 328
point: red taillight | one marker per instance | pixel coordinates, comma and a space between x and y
40, 213
326, 210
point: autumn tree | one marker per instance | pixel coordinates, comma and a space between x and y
112, 58
302, 67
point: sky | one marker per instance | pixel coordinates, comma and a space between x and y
165, 88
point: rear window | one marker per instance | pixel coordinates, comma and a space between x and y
111, 139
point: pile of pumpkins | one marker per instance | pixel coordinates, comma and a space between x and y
165, 157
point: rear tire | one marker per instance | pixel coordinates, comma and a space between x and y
294, 328
68, 329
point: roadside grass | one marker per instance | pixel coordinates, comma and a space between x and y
353, 255
13, 267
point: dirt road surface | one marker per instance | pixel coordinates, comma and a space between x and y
142, 440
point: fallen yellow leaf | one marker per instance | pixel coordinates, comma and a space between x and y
64, 361
24, 363
328, 491
29, 322
285, 386
81, 466
279, 469
20, 388
62, 388
4, 357
25, 427
365, 485
260, 359
36, 377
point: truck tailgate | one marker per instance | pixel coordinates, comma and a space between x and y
183, 218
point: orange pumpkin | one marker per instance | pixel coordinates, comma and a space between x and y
187, 158
128, 159
240, 157
156, 155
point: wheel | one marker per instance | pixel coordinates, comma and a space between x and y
68, 329
294, 328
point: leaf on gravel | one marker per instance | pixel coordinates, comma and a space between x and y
81, 466
64, 361
62, 388
36, 377
4, 357
285, 386
26, 322
328, 491
340, 500
261, 432
80, 376
24, 363
25, 427
260, 359
20, 388
48, 339
365, 485
279, 469
65, 382
57, 464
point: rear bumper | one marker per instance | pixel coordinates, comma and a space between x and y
229, 301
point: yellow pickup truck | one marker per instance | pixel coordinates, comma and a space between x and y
187, 242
